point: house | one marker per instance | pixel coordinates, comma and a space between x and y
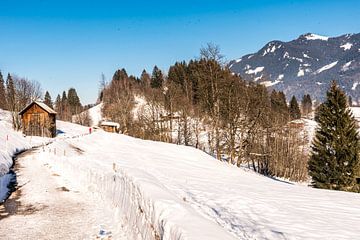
112, 127
38, 119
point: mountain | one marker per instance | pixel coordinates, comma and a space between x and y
305, 65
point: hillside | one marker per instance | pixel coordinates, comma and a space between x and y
305, 65
171, 184
154, 188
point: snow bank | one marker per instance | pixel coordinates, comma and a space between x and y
11, 142
148, 209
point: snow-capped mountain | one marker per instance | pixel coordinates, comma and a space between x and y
305, 65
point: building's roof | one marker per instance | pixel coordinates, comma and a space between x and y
40, 104
110, 124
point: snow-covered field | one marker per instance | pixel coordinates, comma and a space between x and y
178, 192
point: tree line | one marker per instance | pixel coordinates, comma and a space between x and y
16, 93
201, 103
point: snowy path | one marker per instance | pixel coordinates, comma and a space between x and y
47, 207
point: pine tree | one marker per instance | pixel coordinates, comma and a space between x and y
350, 101
73, 101
145, 79
294, 109
58, 104
306, 105
334, 161
10, 93
2, 93
279, 107
47, 99
157, 78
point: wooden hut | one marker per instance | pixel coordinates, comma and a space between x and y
112, 127
38, 119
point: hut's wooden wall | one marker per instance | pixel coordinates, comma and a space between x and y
111, 129
37, 122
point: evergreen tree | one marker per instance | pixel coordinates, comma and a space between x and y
279, 107
157, 78
2, 93
145, 79
334, 161
306, 105
10, 93
73, 101
350, 101
58, 103
294, 109
120, 75
47, 99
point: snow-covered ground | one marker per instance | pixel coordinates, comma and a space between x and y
159, 187
156, 190
46, 206
12, 142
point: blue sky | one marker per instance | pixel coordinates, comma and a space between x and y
66, 43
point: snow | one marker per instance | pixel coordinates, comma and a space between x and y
112, 124
306, 56
301, 72
95, 114
355, 84
238, 60
270, 83
157, 190
48, 207
258, 78
326, 67
346, 46
356, 112
255, 71
319, 83
272, 48
313, 36
160, 186
280, 77
346, 66
11, 142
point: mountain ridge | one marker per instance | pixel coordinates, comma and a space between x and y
305, 65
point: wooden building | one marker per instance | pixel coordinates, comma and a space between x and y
112, 127
38, 119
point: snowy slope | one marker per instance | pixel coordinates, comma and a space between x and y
179, 192
93, 113
10, 142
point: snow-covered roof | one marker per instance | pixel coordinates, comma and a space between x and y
110, 124
40, 104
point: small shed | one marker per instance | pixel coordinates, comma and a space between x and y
38, 119
112, 127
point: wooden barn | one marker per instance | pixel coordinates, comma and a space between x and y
112, 127
38, 119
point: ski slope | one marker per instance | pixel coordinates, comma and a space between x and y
177, 192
